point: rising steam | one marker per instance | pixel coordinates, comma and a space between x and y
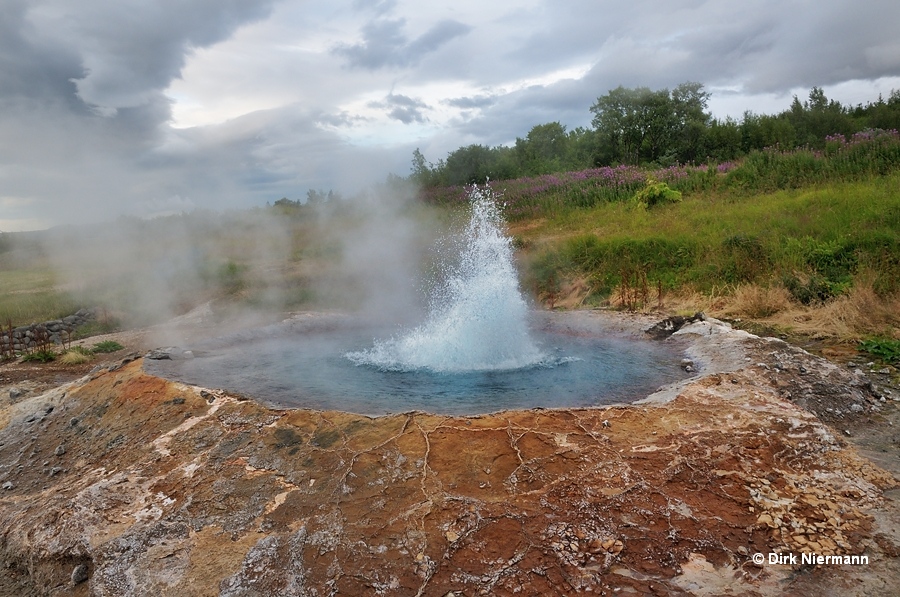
478, 319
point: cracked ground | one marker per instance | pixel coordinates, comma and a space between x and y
154, 487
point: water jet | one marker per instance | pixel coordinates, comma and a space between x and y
480, 349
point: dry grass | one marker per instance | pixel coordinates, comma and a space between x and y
72, 357
858, 314
758, 302
853, 316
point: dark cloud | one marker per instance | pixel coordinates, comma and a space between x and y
86, 125
132, 49
476, 101
341, 119
400, 107
513, 114
384, 43
33, 64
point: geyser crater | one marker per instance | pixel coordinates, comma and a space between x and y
480, 349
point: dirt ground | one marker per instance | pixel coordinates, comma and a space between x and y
115, 482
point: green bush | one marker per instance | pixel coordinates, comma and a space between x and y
811, 290
608, 261
107, 346
656, 193
885, 349
40, 356
743, 258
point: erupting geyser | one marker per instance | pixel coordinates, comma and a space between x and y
474, 353
478, 320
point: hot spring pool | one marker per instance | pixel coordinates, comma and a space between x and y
478, 350
306, 366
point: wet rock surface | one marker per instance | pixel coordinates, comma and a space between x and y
166, 489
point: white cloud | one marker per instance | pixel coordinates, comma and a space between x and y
137, 107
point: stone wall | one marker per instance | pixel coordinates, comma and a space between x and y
57, 331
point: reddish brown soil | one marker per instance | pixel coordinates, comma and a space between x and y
159, 489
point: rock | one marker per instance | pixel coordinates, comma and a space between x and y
15, 393
8, 485
332, 503
60, 450
766, 519
79, 574
670, 325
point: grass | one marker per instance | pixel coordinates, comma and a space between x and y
106, 346
32, 295
45, 355
102, 325
791, 238
75, 357
766, 252
715, 238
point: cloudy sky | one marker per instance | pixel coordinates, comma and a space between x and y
148, 107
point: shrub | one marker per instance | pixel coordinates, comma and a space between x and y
74, 357
656, 193
885, 349
107, 346
39, 356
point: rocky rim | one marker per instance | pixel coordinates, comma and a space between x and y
123, 483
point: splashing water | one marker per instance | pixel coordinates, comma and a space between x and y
480, 320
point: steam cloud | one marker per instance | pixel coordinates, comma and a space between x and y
368, 254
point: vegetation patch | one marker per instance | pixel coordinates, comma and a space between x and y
106, 346
656, 193
75, 357
888, 350
44, 355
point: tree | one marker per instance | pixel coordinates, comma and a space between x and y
689, 102
644, 125
582, 149
468, 165
723, 138
619, 120
817, 118
544, 149
422, 172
